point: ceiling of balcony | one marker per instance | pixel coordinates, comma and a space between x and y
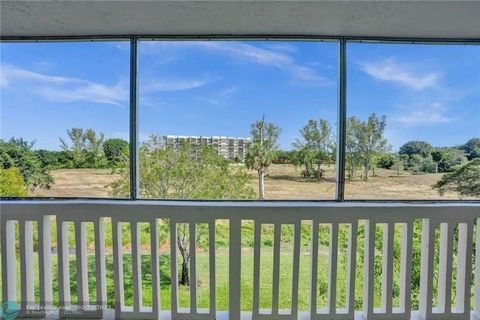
429, 19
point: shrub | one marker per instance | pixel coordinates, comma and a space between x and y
465, 180
28, 164
472, 148
421, 148
428, 166
449, 159
48, 158
415, 162
116, 151
386, 161
12, 183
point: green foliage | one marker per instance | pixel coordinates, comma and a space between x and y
24, 159
415, 163
314, 147
282, 156
365, 140
262, 151
465, 180
449, 159
428, 166
472, 148
169, 173
85, 149
385, 161
421, 148
48, 158
116, 151
12, 183
308, 159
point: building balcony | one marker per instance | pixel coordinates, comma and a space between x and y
351, 263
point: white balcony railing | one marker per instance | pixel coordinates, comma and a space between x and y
455, 224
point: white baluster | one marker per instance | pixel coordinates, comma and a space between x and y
276, 267
235, 253
212, 266
314, 269
296, 268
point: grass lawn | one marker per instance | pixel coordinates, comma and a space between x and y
222, 270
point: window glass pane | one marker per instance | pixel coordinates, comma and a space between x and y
413, 121
64, 122
199, 99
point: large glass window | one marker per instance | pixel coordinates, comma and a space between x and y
64, 118
413, 127
241, 120
237, 119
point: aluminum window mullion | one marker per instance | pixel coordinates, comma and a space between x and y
134, 182
342, 120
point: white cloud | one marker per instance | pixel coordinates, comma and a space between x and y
404, 74
274, 58
63, 89
163, 84
229, 91
434, 113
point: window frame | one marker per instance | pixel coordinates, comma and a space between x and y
342, 104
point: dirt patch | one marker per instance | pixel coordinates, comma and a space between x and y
284, 182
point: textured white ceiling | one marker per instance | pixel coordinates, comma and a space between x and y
429, 19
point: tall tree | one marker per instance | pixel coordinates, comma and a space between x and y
85, 147
94, 142
167, 173
262, 151
422, 148
351, 150
369, 139
77, 146
465, 180
315, 139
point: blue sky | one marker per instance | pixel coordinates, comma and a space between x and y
427, 92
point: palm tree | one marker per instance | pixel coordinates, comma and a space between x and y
262, 151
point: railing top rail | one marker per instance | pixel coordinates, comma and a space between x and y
270, 212
244, 204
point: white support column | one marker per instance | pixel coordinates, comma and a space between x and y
406, 268
256, 269
445, 267
192, 233
477, 269
173, 269
276, 267
9, 273
426, 273
352, 268
81, 263
464, 267
101, 289
212, 269
45, 262
235, 253
155, 269
332, 269
26, 265
369, 269
136, 267
63, 265
118, 267
314, 269
387, 267
296, 268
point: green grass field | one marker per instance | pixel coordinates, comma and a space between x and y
222, 270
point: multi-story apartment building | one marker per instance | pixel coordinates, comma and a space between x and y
231, 148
